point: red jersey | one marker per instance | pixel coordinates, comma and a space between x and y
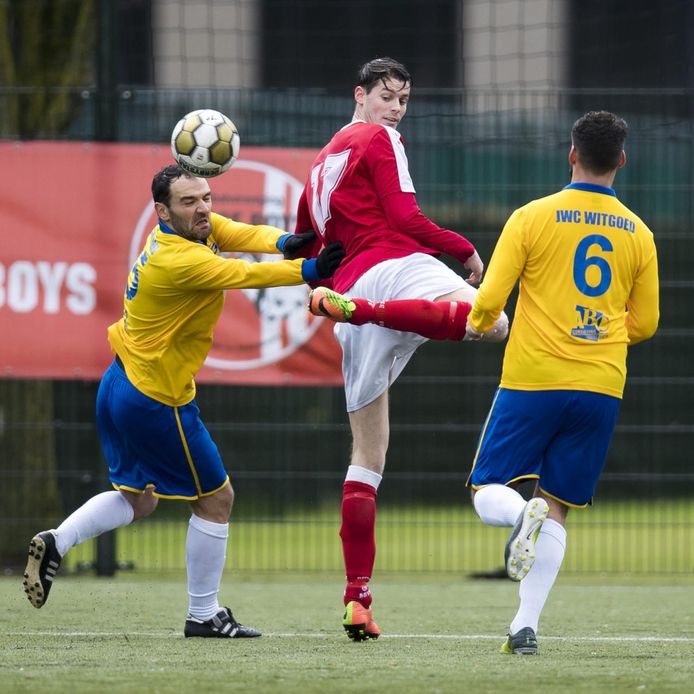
360, 192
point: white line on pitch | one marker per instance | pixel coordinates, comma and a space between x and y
322, 635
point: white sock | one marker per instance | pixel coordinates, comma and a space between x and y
103, 512
206, 552
534, 588
498, 505
355, 473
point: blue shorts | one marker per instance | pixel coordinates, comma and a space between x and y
149, 444
559, 437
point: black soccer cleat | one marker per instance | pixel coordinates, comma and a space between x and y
523, 642
221, 626
42, 565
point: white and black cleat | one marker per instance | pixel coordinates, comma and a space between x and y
221, 626
42, 565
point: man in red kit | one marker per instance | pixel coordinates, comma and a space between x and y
360, 193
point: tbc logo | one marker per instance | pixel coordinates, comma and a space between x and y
592, 325
258, 327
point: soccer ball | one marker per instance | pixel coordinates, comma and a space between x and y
205, 143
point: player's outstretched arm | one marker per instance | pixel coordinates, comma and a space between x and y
239, 237
207, 271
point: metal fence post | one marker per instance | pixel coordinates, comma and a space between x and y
106, 564
106, 116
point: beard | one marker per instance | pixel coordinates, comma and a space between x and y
187, 229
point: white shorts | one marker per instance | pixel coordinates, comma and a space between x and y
372, 356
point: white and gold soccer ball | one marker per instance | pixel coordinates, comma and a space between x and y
205, 143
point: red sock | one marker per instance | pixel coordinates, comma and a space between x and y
437, 320
358, 590
358, 542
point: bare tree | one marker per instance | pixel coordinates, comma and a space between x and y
46, 58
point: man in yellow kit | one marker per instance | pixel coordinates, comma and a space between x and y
588, 275
153, 438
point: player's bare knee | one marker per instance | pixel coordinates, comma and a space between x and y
215, 507
143, 504
224, 499
226, 496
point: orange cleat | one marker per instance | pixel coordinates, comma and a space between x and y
329, 304
358, 622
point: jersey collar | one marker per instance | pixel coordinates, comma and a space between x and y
352, 122
591, 188
167, 229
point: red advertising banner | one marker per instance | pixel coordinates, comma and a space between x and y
75, 216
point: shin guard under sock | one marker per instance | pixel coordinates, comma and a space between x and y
436, 320
358, 541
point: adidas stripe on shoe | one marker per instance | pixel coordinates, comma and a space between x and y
42, 565
221, 626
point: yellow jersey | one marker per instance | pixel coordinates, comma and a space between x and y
174, 297
588, 286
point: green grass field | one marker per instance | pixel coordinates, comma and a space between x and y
441, 633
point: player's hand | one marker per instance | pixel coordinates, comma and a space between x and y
471, 333
328, 260
293, 243
476, 267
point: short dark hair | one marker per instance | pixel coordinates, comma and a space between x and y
380, 69
598, 137
161, 183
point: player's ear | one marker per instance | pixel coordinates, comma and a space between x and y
622, 159
572, 156
359, 94
162, 211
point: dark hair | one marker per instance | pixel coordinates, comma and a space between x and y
161, 183
598, 137
380, 69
